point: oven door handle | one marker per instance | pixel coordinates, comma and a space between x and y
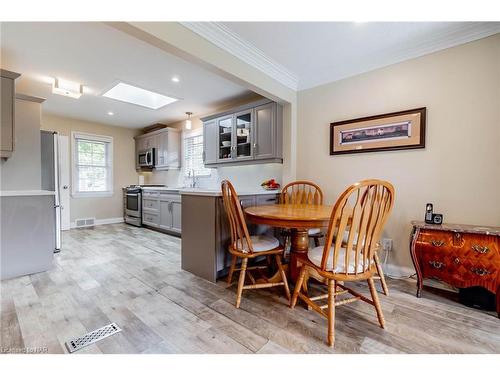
132, 194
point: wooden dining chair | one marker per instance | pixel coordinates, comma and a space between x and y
361, 211
248, 247
303, 192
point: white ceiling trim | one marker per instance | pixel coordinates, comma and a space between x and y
231, 42
225, 38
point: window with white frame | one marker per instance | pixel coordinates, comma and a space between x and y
92, 165
193, 154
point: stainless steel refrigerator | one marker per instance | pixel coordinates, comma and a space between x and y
50, 176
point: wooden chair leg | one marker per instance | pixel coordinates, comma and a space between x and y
331, 312
298, 286
283, 276
231, 271
376, 302
381, 274
241, 281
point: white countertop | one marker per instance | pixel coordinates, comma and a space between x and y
24, 193
209, 192
218, 192
152, 188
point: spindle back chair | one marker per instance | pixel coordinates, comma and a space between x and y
243, 245
355, 228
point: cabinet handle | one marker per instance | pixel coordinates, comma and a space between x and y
480, 271
480, 249
436, 264
437, 243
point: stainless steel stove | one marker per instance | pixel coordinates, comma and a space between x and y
132, 204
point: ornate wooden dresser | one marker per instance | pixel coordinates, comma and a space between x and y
460, 255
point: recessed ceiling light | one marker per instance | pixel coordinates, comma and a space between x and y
135, 95
175, 79
67, 88
110, 113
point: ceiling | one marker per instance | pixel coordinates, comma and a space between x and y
98, 56
302, 55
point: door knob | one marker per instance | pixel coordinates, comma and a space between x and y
65, 186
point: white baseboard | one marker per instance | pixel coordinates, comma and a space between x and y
398, 271
112, 220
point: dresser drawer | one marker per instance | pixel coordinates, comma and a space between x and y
481, 248
442, 265
436, 239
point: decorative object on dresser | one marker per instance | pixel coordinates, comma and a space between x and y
460, 255
392, 131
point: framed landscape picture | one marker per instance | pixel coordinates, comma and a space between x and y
388, 132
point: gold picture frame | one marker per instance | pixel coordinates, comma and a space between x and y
388, 132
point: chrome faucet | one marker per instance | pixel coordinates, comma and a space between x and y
193, 178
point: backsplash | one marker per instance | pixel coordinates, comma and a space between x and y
243, 177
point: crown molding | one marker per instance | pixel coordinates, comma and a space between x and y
224, 38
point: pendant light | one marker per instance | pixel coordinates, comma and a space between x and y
188, 121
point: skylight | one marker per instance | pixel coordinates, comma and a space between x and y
135, 95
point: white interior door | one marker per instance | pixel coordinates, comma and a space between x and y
64, 179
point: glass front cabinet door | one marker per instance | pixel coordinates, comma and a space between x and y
243, 136
225, 139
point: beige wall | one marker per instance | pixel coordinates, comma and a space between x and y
22, 171
459, 169
123, 165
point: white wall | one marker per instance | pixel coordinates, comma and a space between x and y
459, 169
22, 171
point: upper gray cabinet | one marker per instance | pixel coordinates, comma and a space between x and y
167, 145
245, 135
7, 105
209, 141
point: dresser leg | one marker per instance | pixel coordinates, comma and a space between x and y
498, 302
413, 241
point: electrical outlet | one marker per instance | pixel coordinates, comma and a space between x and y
387, 244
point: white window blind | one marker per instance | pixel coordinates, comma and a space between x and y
193, 154
92, 165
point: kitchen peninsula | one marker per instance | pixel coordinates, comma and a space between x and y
205, 231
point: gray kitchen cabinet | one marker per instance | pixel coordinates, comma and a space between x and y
225, 135
162, 210
167, 145
206, 235
150, 218
265, 131
248, 134
7, 105
168, 149
210, 142
165, 215
176, 209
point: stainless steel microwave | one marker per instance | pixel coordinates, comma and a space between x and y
146, 158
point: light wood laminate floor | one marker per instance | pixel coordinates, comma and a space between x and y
132, 276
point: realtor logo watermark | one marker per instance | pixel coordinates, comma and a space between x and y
26, 350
